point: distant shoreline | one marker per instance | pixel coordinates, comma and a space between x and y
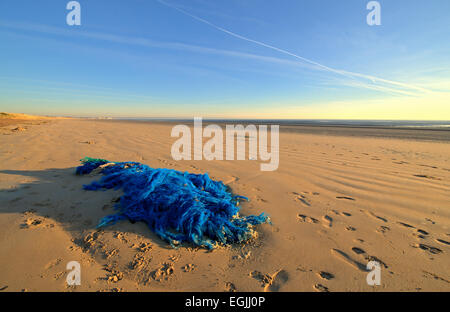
417, 133
432, 124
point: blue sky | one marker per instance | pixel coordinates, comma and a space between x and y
234, 58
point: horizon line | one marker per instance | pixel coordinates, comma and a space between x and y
106, 117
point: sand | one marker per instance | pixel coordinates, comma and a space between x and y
337, 201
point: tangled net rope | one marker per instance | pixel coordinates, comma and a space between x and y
179, 207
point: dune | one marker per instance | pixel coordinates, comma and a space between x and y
20, 116
18, 122
337, 202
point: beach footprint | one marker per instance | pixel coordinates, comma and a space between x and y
339, 254
278, 280
345, 197
428, 248
271, 283
328, 221
383, 229
441, 241
229, 287
260, 199
420, 234
372, 215
304, 218
325, 275
320, 288
358, 251
406, 225
301, 198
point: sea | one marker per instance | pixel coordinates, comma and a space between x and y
434, 124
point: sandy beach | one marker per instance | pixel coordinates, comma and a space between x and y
339, 199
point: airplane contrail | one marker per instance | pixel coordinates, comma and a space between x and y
324, 67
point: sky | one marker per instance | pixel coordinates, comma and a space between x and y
290, 59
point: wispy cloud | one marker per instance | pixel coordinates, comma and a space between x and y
394, 86
144, 42
39, 86
352, 79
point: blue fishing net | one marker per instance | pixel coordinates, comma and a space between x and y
180, 207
